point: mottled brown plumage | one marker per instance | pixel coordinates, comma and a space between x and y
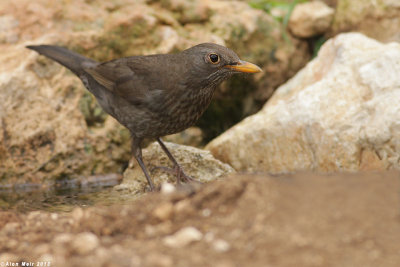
154, 95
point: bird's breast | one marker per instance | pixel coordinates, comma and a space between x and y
183, 110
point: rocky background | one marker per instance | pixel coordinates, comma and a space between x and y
327, 101
66, 133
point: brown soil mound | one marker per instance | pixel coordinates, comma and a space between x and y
290, 220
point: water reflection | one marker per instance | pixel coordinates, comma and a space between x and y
63, 196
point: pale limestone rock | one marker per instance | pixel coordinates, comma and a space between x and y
377, 19
7, 29
310, 19
341, 112
197, 163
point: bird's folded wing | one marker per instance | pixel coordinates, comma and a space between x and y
107, 83
119, 78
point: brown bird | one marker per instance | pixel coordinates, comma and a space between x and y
154, 95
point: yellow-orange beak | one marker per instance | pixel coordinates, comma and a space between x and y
243, 66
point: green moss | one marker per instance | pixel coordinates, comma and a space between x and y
91, 110
238, 34
88, 148
286, 5
268, 5
316, 45
124, 135
127, 39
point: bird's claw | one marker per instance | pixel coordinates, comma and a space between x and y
181, 176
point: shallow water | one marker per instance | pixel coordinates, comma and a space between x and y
63, 196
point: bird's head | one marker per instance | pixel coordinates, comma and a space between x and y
214, 63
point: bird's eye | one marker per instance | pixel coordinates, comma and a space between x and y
214, 58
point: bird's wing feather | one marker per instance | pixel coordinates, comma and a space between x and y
109, 84
121, 79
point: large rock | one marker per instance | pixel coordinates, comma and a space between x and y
44, 134
197, 163
341, 112
376, 19
310, 19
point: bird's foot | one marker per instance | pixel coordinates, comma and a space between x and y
181, 176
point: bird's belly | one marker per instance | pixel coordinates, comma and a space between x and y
168, 118
180, 122
156, 125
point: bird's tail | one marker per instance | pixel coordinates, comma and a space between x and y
65, 57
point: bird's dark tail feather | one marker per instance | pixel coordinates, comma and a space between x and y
65, 57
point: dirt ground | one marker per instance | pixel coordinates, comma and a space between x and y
244, 220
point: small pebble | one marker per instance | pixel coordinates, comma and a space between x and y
10, 227
183, 237
182, 206
33, 215
159, 260
62, 238
77, 213
46, 257
206, 212
167, 188
41, 249
221, 245
164, 211
209, 236
84, 243
150, 230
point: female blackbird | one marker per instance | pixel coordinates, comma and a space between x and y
154, 95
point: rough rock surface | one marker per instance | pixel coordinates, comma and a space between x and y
43, 130
291, 220
197, 163
341, 112
51, 128
377, 19
310, 19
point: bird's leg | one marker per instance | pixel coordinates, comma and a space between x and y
137, 153
177, 169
